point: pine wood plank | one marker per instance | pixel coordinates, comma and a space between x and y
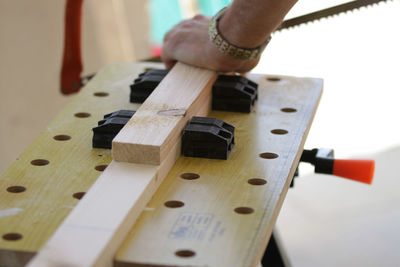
156, 128
206, 230
92, 232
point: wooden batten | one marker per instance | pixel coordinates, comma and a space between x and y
156, 127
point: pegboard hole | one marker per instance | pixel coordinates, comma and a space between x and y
40, 162
12, 236
273, 79
16, 189
244, 210
62, 137
101, 94
289, 110
101, 168
82, 115
185, 253
190, 176
279, 131
268, 155
257, 181
79, 195
174, 204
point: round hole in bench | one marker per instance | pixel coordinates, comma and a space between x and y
40, 162
79, 195
174, 204
279, 131
185, 253
16, 189
189, 176
62, 137
101, 94
12, 236
268, 155
288, 110
101, 168
244, 210
273, 79
257, 181
82, 115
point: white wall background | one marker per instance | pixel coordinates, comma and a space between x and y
327, 221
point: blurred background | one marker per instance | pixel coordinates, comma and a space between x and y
325, 221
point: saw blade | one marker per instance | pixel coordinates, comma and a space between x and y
327, 13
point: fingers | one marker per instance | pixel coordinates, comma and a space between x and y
166, 56
189, 43
184, 41
199, 17
168, 62
168, 49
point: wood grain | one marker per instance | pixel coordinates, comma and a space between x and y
229, 239
155, 129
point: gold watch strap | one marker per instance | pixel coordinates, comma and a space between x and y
230, 49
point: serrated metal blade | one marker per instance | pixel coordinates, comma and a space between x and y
327, 12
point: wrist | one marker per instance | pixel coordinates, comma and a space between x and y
226, 46
219, 61
234, 26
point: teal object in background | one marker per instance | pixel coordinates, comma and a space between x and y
164, 14
210, 7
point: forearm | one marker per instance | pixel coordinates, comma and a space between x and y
248, 23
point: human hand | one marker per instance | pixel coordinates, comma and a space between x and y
189, 43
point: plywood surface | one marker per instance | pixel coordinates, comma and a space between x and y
206, 227
221, 213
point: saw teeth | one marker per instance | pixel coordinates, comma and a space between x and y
329, 12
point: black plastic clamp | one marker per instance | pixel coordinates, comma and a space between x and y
205, 137
322, 159
145, 84
109, 127
234, 93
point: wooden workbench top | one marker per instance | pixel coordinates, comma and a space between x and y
205, 213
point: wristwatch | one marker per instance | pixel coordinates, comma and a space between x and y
230, 49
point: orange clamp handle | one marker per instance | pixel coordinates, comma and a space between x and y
355, 169
72, 62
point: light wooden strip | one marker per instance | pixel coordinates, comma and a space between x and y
207, 225
92, 232
94, 229
156, 127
